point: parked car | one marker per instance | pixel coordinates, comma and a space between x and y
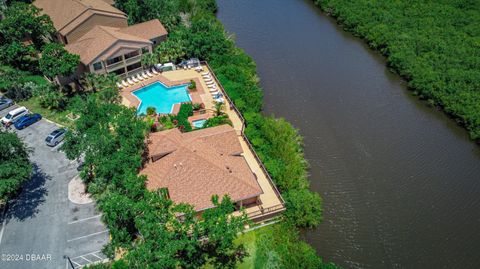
27, 120
55, 137
5, 102
14, 115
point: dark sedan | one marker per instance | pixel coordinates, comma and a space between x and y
5, 102
27, 120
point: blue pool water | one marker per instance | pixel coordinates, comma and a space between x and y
198, 123
161, 97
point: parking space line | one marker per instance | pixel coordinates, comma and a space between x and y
85, 236
89, 261
80, 220
3, 224
86, 254
93, 254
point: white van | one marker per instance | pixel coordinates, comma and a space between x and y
14, 115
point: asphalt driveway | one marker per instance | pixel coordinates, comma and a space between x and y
41, 227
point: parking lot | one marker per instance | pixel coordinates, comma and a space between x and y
42, 227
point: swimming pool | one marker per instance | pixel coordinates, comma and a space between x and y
161, 97
198, 123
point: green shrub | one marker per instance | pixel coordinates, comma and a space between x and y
219, 120
50, 98
186, 110
304, 208
278, 246
22, 92
166, 122
151, 110
192, 85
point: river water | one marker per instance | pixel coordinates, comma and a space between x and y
400, 181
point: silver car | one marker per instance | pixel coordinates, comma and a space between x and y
55, 137
5, 102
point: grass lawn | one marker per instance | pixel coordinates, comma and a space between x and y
248, 240
57, 116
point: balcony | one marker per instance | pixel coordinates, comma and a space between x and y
115, 66
134, 59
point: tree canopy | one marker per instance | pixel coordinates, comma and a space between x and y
23, 21
56, 60
15, 167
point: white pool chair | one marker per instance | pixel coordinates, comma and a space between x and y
149, 74
124, 83
130, 81
139, 77
119, 85
135, 80
144, 75
210, 83
154, 71
205, 73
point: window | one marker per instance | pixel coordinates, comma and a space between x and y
119, 71
134, 66
114, 60
132, 54
97, 66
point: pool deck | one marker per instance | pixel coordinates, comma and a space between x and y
130, 100
271, 202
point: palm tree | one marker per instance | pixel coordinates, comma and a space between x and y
219, 109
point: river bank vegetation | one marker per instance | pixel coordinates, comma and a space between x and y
434, 45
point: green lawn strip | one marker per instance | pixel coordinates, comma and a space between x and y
248, 240
54, 115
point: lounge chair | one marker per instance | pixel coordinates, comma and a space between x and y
212, 86
206, 76
213, 89
143, 75
135, 80
119, 85
154, 71
124, 83
130, 81
205, 73
149, 74
219, 100
208, 80
139, 77
209, 83
198, 68
214, 93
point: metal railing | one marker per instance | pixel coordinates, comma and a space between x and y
245, 138
266, 211
133, 59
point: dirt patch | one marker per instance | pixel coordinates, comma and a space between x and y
77, 193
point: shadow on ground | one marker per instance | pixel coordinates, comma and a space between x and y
31, 197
